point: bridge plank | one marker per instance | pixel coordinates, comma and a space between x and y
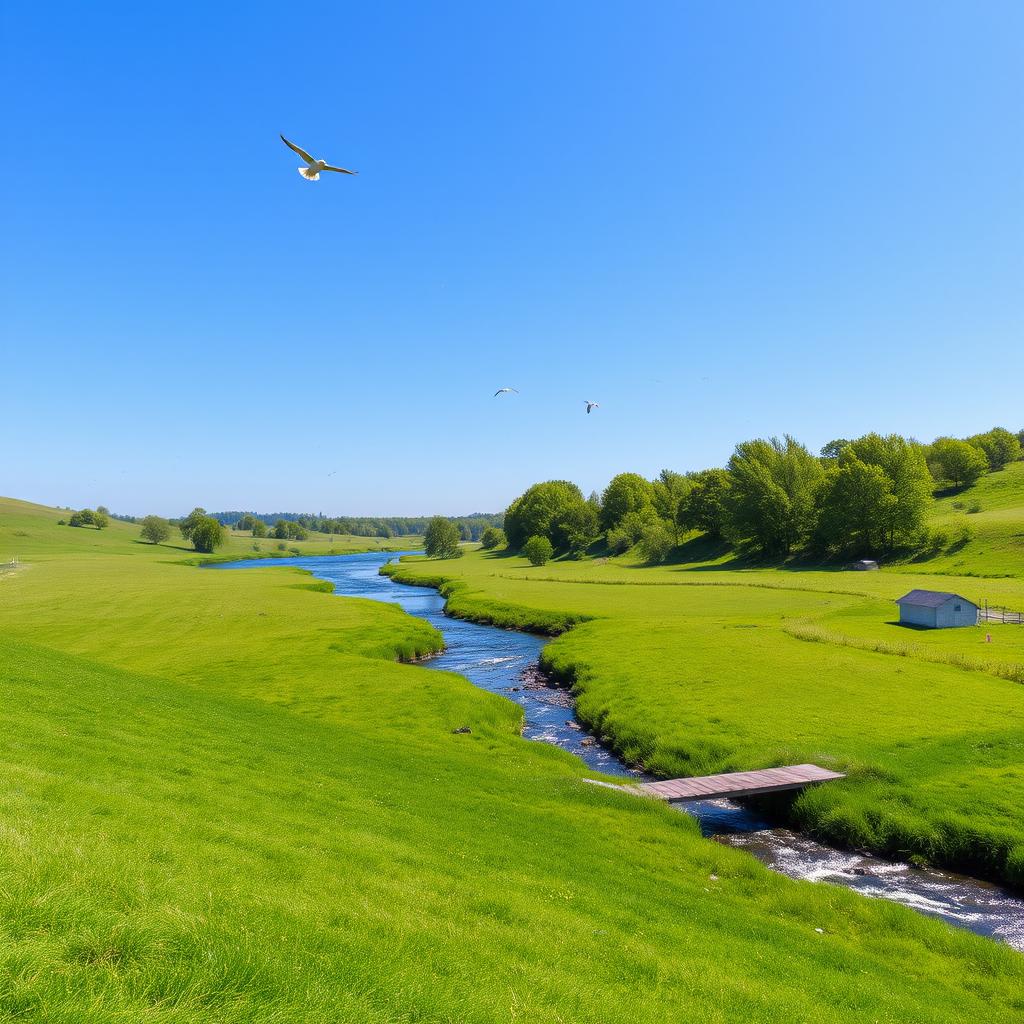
735, 784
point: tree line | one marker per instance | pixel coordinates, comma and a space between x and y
864, 496
470, 527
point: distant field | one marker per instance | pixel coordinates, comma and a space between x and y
696, 668
30, 532
223, 800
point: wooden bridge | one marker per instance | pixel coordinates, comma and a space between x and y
735, 784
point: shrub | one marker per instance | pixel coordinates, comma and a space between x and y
975, 506
656, 542
282, 546
493, 537
619, 541
538, 550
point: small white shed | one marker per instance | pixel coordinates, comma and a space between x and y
935, 609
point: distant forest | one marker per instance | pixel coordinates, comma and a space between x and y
471, 527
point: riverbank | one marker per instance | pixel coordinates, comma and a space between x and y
506, 662
683, 679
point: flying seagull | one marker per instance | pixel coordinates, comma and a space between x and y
502, 391
590, 405
312, 171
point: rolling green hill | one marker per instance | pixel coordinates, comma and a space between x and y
224, 799
992, 513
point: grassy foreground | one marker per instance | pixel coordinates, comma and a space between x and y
224, 799
705, 667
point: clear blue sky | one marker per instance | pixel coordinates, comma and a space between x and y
720, 221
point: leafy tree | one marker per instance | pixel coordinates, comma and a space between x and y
295, 531
627, 492
206, 534
280, 530
493, 537
772, 495
656, 542
191, 521
581, 527
704, 507
999, 446
538, 550
633, 524
540, 511
669, 491
441, 539
100, 520
834, 448
465, 531
856, 502
259, 528
903, 462
247, 522
155, 529
956, 462
103, 510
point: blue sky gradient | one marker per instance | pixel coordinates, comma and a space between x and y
719, 221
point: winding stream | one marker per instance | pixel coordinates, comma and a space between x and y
505, 662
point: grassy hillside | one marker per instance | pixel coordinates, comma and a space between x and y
992, 511
696, 668
30, 532
224, 800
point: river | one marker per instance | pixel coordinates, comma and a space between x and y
505, 662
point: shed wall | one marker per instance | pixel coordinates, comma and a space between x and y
947, 615
916, 615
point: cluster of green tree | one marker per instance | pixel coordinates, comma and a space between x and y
204, 531
863, 496
281, 529
470, 527
98, 517
960, 463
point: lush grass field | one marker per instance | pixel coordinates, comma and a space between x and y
699, 667
30, 532
223, 799
997, 527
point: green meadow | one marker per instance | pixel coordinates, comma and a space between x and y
225, 798
713, 665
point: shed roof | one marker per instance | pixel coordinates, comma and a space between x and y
930, 598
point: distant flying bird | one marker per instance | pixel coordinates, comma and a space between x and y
312, 171
502, 391
590, 405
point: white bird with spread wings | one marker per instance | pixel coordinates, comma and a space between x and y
311, 172
591, 405
505, 391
